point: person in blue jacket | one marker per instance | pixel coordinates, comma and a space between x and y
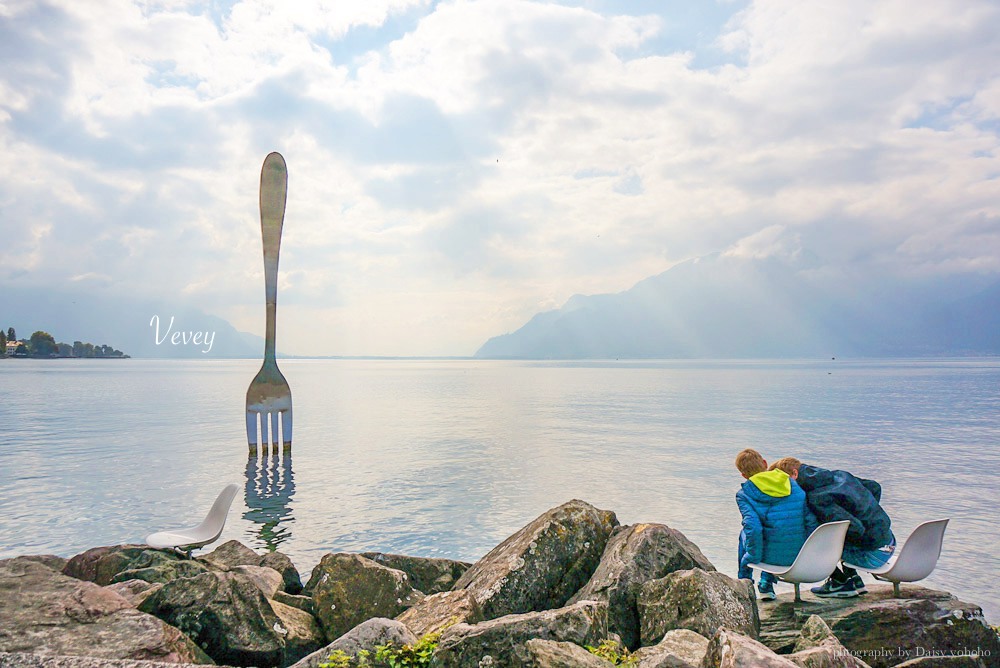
776, 519
838, 495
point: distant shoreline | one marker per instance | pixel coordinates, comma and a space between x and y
563, 360
64, 357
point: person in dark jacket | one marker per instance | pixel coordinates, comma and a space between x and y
835, 495
775, 518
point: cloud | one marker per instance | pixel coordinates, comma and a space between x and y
454, 165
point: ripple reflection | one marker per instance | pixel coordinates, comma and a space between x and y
270, 485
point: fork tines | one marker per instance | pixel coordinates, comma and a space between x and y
267, 430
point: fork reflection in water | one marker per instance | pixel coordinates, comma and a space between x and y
270, 485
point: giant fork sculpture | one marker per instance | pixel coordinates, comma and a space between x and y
269, 399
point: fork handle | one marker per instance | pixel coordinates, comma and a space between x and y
273, 189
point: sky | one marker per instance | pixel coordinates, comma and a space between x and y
456, 167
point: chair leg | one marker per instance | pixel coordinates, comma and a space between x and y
797, 596
895, 589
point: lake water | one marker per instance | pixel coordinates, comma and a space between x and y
446, 458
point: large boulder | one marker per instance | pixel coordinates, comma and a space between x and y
430, 576
134, 591
289, 574
501, 642
543, 564
230, 554
365, 636
233, 553
697, 600
728, 649
635, 555
46, 612
53, 561
818, 647
439, 611
299, 629
554, 654
882, 630
267, 579
347, 589
228, 615
8, 660
159, 566
303, 603
679, 648
101, 564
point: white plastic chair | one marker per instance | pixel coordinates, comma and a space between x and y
915, 560
817, 558
208, 531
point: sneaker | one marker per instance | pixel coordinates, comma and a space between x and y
859, 584
833, 589
766, 590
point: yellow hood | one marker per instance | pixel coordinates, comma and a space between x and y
773, 483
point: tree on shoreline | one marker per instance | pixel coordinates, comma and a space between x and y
43, 344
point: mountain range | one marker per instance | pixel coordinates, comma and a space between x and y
725, 306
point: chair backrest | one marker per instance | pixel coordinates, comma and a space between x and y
819, 554
211, 527
919, 554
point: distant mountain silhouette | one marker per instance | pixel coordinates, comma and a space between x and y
721, 306
123, 323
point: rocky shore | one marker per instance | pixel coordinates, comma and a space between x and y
572, 579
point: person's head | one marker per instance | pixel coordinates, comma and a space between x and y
789, 465
749, 463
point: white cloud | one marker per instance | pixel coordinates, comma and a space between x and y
769, 242
456, 166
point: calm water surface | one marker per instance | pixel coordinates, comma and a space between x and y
447, 458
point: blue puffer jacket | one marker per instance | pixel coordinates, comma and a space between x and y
838, 495
776, 519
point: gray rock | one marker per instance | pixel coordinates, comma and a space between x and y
19, 660
347, 589
299, 629
159, 566
228, 615
365, 636
554, 654
880, 629
234, 553
46, 612
230, 554
699, 601
728, 649
818, 647
439, 611
289, 574
303, 603
101, 564
501, 641
53, 561
267, 579
680, 648
814, 633
828, 656
634, 555
543, 564
430, 576
134, 591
